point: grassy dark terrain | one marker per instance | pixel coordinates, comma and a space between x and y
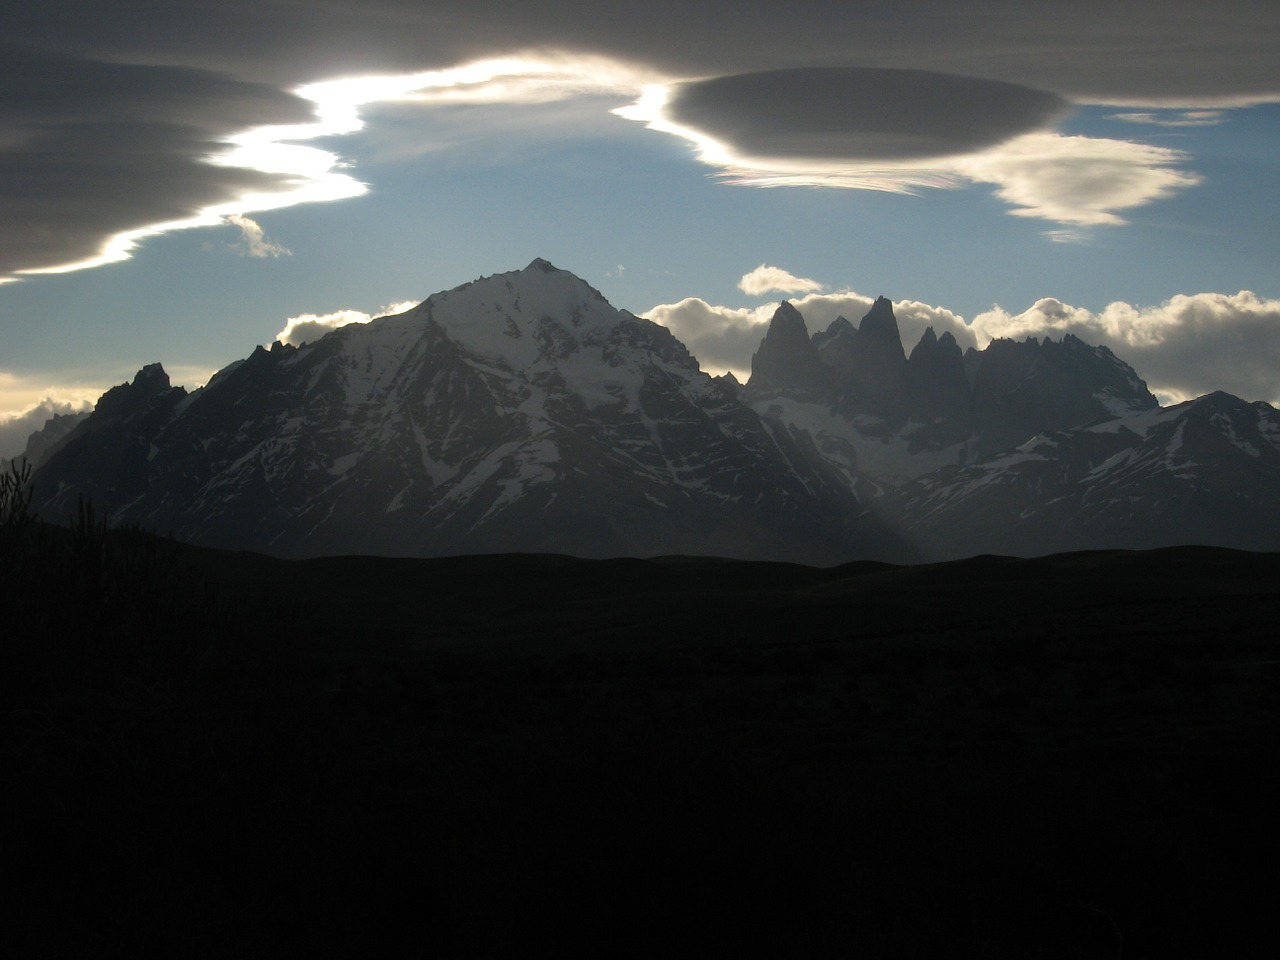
213, 754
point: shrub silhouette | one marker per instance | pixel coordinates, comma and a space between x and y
16, 517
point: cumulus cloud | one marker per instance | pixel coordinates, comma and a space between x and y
1184, 347
724, 338
1187, 346
307, 327
766, 279
253, 241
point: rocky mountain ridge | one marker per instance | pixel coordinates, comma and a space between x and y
523, 413
856, 385
1022, 448
520, 412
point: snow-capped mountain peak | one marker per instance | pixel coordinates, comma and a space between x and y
517, 412
522, 412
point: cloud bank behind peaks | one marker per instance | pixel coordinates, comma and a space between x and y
16, 427
1185, 347
725, 338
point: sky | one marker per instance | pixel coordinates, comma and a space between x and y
179, 183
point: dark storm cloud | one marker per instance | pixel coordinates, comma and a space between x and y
71, 186
41, 87
1099, 48
863, 114
90, 149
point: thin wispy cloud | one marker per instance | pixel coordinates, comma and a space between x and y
1086, 181
1183, 118
253, 241
1066, 235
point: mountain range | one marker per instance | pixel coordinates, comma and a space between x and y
523, 413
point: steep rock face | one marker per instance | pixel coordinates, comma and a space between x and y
520, 412
106, 456
43, 442
889, 418
788, 361
939, 391
1202, 472
837, 348
877, 381
1021, 389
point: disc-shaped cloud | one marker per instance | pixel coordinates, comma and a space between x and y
860, 113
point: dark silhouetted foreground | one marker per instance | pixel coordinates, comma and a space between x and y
214, 755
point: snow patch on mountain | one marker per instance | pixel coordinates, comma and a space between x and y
1138, 423
1228, 428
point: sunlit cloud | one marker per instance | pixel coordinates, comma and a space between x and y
1077, 180
650, 109
21, 392
1074, 180
1067, 180
722, 338
28, 401
1184, 347
766, 279
725, 338
307, 327
253, 241
301, 173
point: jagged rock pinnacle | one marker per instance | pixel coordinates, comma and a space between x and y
787, 358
